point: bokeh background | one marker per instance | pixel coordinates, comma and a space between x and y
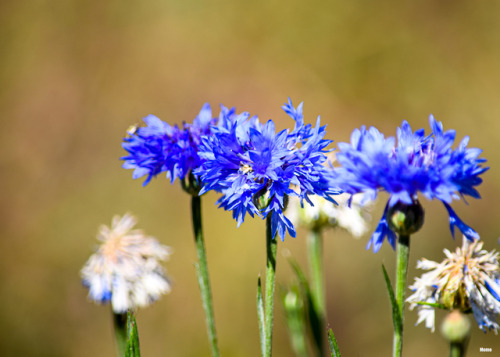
75, 74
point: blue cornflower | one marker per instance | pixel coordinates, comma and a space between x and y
159, 147
256, 169
416, 163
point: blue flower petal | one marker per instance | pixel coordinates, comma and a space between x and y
382, 231
455, 221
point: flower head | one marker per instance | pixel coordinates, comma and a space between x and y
159, 147
256, 169
126, 268
416, 163
468, 279
350, 215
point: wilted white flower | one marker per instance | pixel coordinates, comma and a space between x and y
126, 268
466, 280
324, 213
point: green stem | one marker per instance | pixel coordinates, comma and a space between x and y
457, 349
403, 252
315, 255
120, 327
271, 250
202, 273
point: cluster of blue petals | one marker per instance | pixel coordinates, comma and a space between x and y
159, 147
248, 162
416, 163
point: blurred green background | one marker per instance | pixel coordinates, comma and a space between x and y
75, 74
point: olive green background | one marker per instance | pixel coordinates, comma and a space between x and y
75, 74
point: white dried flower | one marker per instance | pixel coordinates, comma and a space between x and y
324, 213
468, 279
126, 268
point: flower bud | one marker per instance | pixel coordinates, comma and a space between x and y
405, 219
190, 184
456, 327
261, 199
292, 301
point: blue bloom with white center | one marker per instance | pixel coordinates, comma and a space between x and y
256, 169
159, 147
416, 163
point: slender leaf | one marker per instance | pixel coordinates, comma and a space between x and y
293, 302
433, 304
396, 317
312, 312
133, 349
334, 347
